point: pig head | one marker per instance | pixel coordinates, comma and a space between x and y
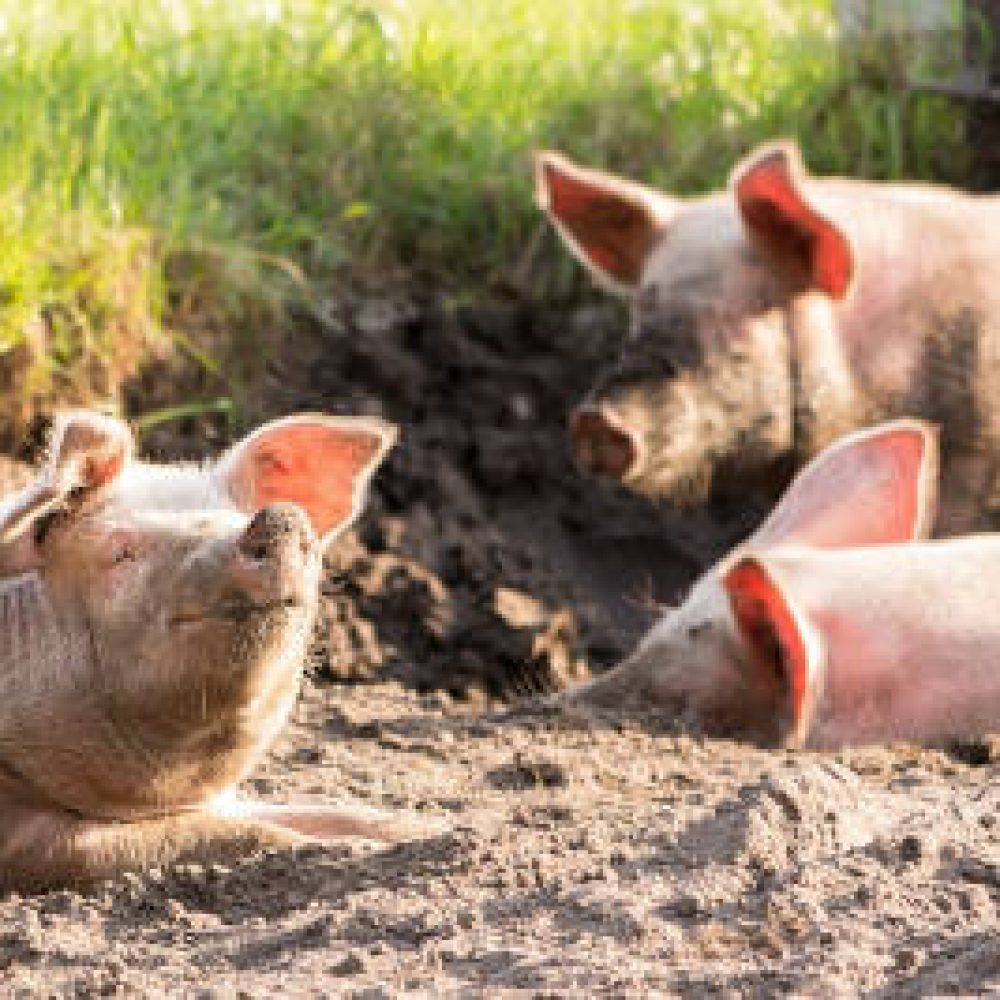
744, 655
153, 618
769, 319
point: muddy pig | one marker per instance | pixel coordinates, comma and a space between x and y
770, 319
834, 624
153, 622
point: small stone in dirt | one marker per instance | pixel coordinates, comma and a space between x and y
350, 965
371, 993
907, 958
914, 848
975, 899
525, 773
910, 848
767, 940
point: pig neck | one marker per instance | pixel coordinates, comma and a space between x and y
917, 272
45, 695
65, 743
44, 651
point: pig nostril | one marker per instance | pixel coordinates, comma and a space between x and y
259, 552
601, 446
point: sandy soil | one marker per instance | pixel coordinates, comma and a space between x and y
582, 859
600, 856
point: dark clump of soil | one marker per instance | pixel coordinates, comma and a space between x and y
485, 560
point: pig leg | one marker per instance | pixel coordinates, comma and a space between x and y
328, 822
46, 850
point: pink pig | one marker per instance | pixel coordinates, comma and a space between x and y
769, 319
153, 623
834, 624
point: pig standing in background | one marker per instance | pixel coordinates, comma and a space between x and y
770, 319
833, 624
153, 622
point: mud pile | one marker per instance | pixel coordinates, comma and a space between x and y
485, 560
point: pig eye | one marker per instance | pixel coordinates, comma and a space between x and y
45, 523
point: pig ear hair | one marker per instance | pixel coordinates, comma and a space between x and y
780, 220
784, 651
608, 223
875, 486
87, 451
321, 463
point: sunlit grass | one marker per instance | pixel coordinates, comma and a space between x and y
308, 137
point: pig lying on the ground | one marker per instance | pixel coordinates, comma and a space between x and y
768, 320
153, 621
832, 624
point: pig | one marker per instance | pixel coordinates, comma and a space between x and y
837, 623
153, 624
768, 320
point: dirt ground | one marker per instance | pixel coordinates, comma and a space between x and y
582, 856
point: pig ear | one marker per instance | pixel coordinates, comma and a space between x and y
874, 486
87, 451
321, 463
608, 223
782, 223
785, 654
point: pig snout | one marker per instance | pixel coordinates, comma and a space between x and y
275, 554
602, 445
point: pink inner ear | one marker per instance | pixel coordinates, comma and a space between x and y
871, 489
89, 450
781, 221
314, 466
99, 471
770, 631
613, 229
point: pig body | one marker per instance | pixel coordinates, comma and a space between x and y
153, 623
768, 320
835, 623
901, 641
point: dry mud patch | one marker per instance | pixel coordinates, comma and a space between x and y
583, 857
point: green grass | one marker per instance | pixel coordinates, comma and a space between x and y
284, 143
